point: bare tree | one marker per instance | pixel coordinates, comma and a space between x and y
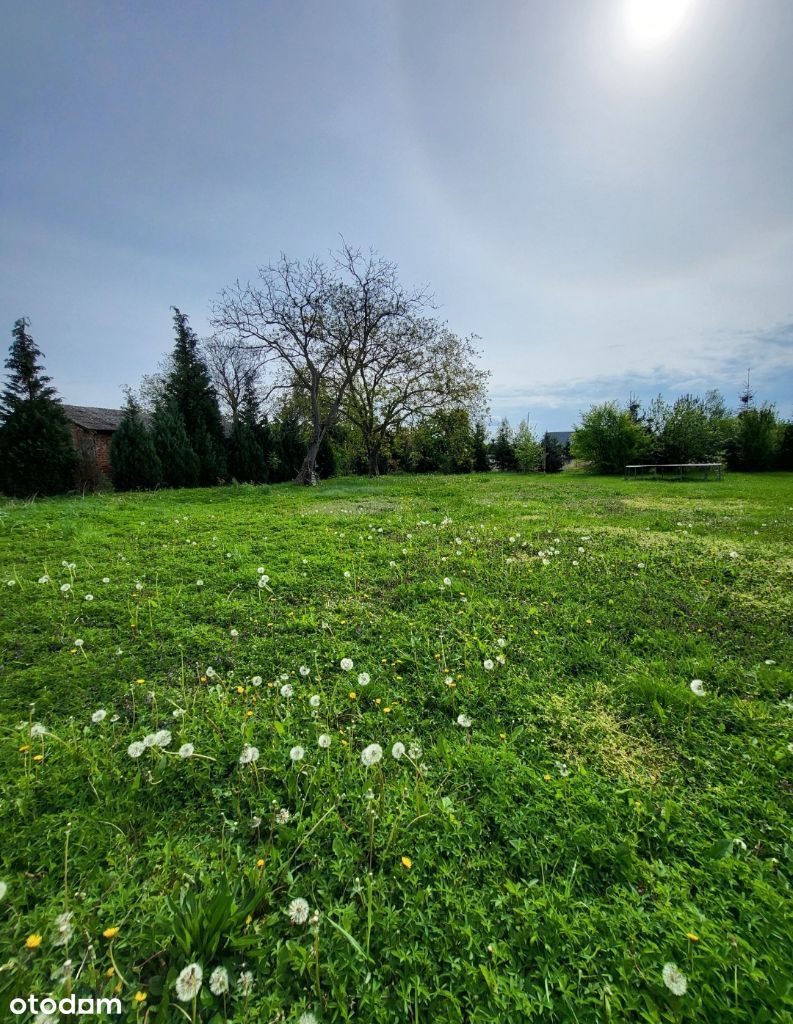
415, 368
317, 326
236, 372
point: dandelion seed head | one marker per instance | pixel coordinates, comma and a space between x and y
371, 755
674, 979
297, 754
398, 751
324, 741
99, 716
282, 816
162, 738
464, 721
346, 664
245, 983
134, 750
697, 687
249, 754
188, 984
287, 690
186, 750
314, 700
219, 981
298, 911
363, 678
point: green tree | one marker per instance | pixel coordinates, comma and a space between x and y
528, 450
134, 462
553, 454
757, 438
178, 462
608, 438
37, 454
189, 387
503, 449
479, 449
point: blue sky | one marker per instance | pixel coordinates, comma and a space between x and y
610, 215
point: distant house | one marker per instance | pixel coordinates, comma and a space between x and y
563, 437
92, 430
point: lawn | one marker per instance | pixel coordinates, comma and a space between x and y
196, 688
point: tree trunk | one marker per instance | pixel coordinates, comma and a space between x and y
308, 471
374, 462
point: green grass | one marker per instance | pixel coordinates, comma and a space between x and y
597, 820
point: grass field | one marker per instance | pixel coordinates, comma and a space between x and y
590, 821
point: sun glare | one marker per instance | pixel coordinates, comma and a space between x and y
651, 22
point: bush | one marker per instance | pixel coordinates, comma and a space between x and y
608, 438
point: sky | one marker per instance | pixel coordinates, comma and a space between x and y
606, 201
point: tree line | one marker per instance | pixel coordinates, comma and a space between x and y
325, 368
689, 430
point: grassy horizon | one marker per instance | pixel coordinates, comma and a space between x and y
577, 816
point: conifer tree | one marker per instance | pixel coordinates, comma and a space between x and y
179, 465
37, 454
133, 456
189, 387
479, 448
504, 447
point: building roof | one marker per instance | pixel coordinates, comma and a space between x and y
91, 418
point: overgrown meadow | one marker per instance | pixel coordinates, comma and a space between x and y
490, 748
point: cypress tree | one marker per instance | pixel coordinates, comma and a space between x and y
479, 446
37, 454
189, 386
504, 448
133, 455
178, 462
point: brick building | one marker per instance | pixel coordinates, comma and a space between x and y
92, 430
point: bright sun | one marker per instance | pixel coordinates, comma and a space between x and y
651, 22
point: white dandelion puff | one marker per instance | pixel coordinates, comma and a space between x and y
209, 672
149, 740
99, 716
63, 929
234, 633
488, 665
134, 750
304, 671
307, 1018
372, 754
249, 754
162, 738
79, 643
65, 588
282, 817
287, 690
363, 679
256, 680
186, 750
88, 597
298, 911
674, 979
188, 984
324, 741
464, 721
314, 700
297, 754
415, 752
697, 687
44, 579
37, 729
398, 751
346, 664
219, 981
245, 983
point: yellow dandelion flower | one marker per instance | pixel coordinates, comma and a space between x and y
260, 863
38, 757
408, 863
248, 713
692, 936
240, 689
139, 997
353, 695
386, 711
377, 700
248, 919
547, 778
140, 682
24, 748
33, 941
110, 972
111, 933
